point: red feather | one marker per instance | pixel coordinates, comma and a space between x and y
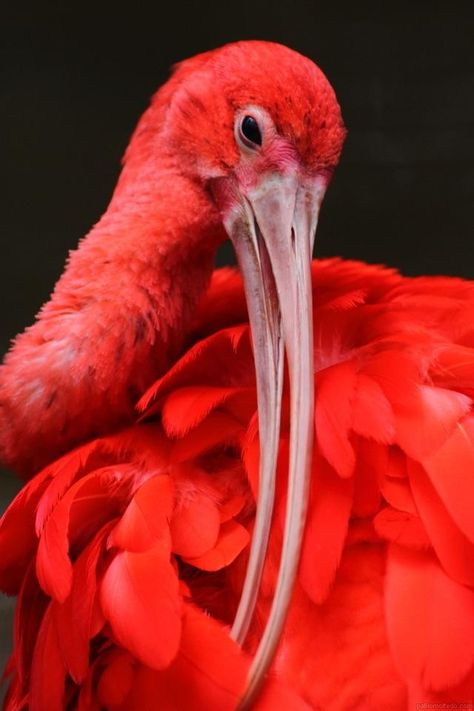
370, 465
145, 521
454, 550
91, 501
424, 426
222, 349
372, 415
217, 429
233, 538
48, 670
195, 525
80, 618
451, 470
116, 680
397, 463
401, 527
185, 408
453, 368
64, 473
29, 612
397, 492
18, 538
430, 620
335, 391
326, 530
140, 599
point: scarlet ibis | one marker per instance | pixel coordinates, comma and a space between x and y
206, 529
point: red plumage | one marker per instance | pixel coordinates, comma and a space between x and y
135, 394
114, 606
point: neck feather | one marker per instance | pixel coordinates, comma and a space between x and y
116, 319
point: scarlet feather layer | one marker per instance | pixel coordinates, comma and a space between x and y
128, 554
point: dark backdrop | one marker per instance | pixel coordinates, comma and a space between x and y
76, 77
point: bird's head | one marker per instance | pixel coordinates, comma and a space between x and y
259, 127
242, 116
253, 107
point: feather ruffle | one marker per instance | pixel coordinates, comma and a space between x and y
128, 553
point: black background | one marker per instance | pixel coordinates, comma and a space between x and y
76, 77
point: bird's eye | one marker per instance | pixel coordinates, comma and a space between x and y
249, 132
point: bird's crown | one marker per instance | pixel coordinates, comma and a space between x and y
195, 111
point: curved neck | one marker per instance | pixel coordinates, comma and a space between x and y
157, 238
116, 320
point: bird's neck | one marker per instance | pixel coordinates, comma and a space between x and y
152, 251
116, 320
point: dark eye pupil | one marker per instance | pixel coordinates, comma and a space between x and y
251, 130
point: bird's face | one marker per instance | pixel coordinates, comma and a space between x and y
260, 126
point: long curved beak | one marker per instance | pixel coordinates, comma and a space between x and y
273, 234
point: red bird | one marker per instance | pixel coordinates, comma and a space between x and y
180, 547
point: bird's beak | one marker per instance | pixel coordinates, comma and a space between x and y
273, 229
